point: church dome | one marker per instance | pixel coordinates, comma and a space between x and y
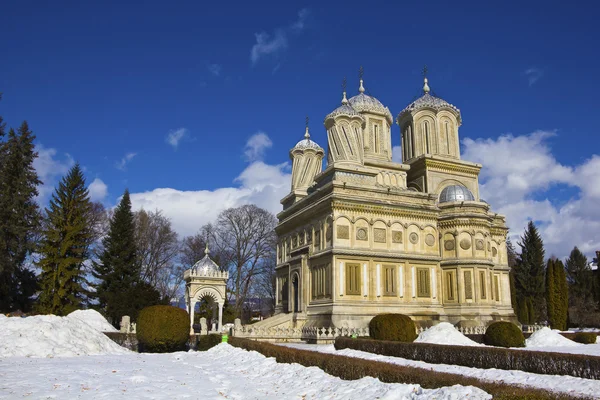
456, 193
306, 143
344, 110
429, 101
365, 103
205, 266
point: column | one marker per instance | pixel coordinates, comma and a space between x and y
192, 309
220, 328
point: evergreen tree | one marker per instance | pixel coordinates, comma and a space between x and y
19, 217
120, 290
560, 277
556, 300
579, 276
529, 276
65, 246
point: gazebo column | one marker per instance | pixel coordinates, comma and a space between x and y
220, 328
192, 308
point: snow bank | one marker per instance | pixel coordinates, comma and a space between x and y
546, 337
52, 336
94, 319
445, 333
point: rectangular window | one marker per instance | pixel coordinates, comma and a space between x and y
353, 279
423, 282
389, 281
497, 287
450, 286
482, 283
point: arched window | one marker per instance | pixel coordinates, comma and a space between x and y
426, 132
376, 138
447, 137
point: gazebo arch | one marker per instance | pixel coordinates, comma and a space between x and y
205, 279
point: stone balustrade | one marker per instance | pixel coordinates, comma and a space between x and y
191, 273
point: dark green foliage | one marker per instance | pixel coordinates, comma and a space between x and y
349, 368
119, 289
585, 337
163, 329
579, 276
529, 277
205, 342
396, 327
557, 298
19, 217
67, 237
538, 362
504, 334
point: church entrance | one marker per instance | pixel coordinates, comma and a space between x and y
295, 294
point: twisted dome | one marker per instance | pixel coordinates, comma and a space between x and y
306, 143
429, 101
365, 103
345, 109
456, 193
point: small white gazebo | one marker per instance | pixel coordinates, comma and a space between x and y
205, 279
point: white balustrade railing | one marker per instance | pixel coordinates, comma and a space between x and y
192, 273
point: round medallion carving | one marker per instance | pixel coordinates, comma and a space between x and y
449, 245
479, 244
430, 240
361, 234
465, 244
414, 238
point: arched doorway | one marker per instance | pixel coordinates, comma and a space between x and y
295, 294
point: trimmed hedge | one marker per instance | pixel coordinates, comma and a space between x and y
397, 327
504, 334
163, 329
205, 342
350, 368
538, 362
585, 337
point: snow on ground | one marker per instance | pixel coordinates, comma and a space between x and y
94, 319
52, 336
445, 333
222, 372
555, 383
546, 337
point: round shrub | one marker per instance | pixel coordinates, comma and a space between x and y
504, 334
163, 329
396, 327
585, 337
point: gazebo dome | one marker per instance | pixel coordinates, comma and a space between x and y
205, 265
365, 103
456, 193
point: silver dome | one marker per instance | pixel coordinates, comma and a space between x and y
456, 193
205, 265
364, 103
429, 101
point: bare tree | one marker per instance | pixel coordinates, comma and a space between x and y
246, 240
158, 249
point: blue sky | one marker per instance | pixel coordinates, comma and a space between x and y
172, 96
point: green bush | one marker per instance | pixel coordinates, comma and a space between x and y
585, 337
205, 342
396, 327
504, 334
163, 329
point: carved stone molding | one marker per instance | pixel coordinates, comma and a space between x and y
396, 236
430, 240
362, 234
479, 244
343, 232
465, 244
414, 238
449, 245
379, 235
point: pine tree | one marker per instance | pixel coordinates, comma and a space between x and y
119, 290
552, 294
560, 277
65, 246
529, 275
19, 217
579, 276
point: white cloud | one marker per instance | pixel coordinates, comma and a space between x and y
397, 154
533, 75
256, 146
214, 69
50, 169
271, 44
98, 190
260, 184
175, 136
124, 161
517, 173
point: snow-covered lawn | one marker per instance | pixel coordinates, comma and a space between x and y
45, 357
445, 333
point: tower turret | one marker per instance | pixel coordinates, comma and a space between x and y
307, 162
344, 134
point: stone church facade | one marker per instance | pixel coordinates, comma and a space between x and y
368, 236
